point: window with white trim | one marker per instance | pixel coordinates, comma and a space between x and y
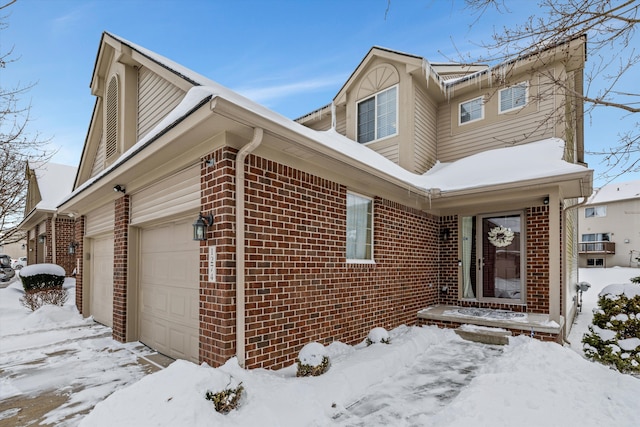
378, 116
359, 228
596, 237
595, 211
512, 98
470, 111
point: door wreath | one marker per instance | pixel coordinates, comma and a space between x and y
500, 236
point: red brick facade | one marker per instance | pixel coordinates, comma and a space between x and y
79, 239
120, 255
299, 287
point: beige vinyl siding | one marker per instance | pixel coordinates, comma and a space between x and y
341, 123
425, 132
528, 124
176, 194
100, 220
156, 98
98, 161
391, 152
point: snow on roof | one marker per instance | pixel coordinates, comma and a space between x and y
55, 181
616, 192
519, 163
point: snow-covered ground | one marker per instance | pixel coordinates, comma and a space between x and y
426, 376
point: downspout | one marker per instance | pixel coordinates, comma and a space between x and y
240, 279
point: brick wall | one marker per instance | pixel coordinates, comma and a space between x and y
217, 294
538, 259
120, 251
65, 235
79, 239
299, 287
449, 268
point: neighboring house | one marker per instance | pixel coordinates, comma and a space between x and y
48, 234
14, 249
459, 194
609, 227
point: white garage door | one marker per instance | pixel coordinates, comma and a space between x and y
101, 293
169, 283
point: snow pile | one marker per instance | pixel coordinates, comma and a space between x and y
613, 291
378, 335
312, 354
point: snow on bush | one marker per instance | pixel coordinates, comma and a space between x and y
614, 337
312, 360
378, 335
43, 285
226, 400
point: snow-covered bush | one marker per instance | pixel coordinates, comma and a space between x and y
378, 335
614, 337
312, 360
42, 285
226, 400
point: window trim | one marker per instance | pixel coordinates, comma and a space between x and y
526, 97
481, 98
370, 260
595, 211
375, 104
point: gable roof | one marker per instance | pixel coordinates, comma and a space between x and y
616, 192
54, 181
444, 178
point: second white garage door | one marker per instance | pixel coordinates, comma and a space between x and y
169, 284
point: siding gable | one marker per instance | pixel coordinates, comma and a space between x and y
156, 98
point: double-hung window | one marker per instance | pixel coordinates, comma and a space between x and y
378, 116
472, 110
513, 97
359, 228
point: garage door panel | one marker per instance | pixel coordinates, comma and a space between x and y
169, 288
101, 300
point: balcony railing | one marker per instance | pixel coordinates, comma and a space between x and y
597, 248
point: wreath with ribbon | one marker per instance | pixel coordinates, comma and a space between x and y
500, 236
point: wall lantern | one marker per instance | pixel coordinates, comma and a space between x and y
445, 233
545, 200
41, 239
200, 226
72, 248
119, 189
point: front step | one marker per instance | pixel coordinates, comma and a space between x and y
483, 334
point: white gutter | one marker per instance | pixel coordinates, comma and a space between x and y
240, 283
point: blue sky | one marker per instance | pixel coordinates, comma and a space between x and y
291, 56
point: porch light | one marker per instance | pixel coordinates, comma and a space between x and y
445, 233
119, 189
72, 248
200, 226
41, 239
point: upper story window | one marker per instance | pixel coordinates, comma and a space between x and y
596, 237
513, 97
595, 211
359, 228
378, 116
470, 111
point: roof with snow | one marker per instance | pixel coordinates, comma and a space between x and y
55, 181
616, 192
543, 159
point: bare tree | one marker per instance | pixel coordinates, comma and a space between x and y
17, 146
613, 60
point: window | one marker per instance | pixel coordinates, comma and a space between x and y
377, 116
596, 237
359, 228
513, 97
471, 111
595, 262
595, 211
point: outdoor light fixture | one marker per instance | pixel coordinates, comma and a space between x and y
445, 233
546, 201
72, 248
200, 226
41, 239
119, 188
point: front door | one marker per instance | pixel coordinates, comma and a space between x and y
493, 257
